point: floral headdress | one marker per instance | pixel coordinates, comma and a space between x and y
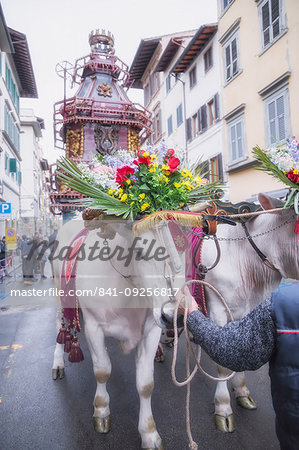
131, 185
282, 162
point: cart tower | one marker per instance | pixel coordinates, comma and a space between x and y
99, 118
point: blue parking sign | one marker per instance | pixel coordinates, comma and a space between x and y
5, 208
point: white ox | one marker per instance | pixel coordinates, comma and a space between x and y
134, 320
245, 281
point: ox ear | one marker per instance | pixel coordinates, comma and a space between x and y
268, 202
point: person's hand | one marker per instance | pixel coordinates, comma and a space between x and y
192, 305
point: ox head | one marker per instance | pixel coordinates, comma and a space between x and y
160, 273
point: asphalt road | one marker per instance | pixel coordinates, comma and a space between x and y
39, 413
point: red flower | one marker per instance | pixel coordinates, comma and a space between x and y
294, 177
142, 160
122, 174
170, 152
173, 163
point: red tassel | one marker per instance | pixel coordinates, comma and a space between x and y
62, 334
76, 354
296, 229
68, 341
159, 352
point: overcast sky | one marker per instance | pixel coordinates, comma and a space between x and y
58, 30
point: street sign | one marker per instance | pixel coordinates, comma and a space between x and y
5, 208
11, 236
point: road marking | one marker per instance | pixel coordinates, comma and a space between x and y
0, 399
4, 347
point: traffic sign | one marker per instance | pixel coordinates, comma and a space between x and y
5, 208
11, 236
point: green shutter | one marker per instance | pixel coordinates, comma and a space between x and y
12, 165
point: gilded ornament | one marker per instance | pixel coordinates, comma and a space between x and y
104, 90
74, 143
133, 140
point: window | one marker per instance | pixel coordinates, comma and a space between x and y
211, 112
236, 139
192, 77
216, 168
194, 125
271, 20
231, 58
169, 125
276, 114
168, 84
6, 162
208, 59
226, 3
156, 124
179, 115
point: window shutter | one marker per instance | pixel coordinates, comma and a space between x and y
281, 118
160, 123
189, 129
199, 120
234, 56
275, 17
266, 23
12, 165
220, 167
272, 128
216, 106
239, 139
203, 112
233, 142
227, 62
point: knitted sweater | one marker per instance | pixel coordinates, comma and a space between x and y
246, 344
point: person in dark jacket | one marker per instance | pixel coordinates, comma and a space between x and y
268, 333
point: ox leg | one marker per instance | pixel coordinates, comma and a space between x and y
223, 412
102, 370
145, 384
242, 393
58, 361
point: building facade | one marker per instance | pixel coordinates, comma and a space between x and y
16, 81
34, 213
258, 48
180, 75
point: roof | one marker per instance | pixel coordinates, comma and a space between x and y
22, 60
5, 41
145, 51
169, 53
197, 43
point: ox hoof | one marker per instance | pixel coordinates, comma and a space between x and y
246, 402
225, 424
154, 448
58, 373
170, 344
101, 425
160, 358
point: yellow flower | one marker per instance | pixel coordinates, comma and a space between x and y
177, 185
165, 167
166, 179
151, 170
111, 191
145, 154
186, 173
144, 206
142, 196
128, 181
181, 204
155, 164
198, 180
130, 187
120, 191
132, 203
296, 171
123, 198
153, 157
